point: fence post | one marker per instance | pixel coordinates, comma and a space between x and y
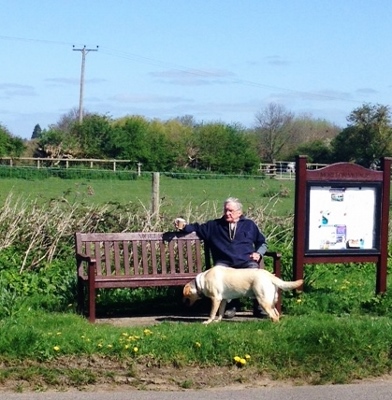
155, 193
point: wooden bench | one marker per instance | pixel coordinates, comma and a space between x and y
139, 259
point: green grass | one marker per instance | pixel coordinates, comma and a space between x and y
315, 349
175, 194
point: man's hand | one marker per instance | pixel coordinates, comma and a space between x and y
256, 257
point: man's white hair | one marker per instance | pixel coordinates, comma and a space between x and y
235, 201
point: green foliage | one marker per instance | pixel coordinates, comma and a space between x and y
367, 138
317, 151
93, 136
36, 132
67, 173
224, 149
10, 146
158, 146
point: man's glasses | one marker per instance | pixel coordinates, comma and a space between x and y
227, 210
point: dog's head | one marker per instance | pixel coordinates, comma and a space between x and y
190, 293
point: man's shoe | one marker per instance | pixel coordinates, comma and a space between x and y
230, 313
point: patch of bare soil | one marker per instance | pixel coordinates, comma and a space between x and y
98, 373
101, 374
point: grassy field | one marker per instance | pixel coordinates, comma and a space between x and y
336, 331
174, 194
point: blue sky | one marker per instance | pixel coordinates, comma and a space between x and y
218, 60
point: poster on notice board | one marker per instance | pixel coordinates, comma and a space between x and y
342, 218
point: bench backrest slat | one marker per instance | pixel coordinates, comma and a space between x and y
117, 257
135, 258
142, 254
154, 263
126, 257
97, 251
162, 252
107, 258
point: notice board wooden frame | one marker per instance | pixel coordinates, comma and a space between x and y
342, 175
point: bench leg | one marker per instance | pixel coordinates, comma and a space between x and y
80, 296
91, 293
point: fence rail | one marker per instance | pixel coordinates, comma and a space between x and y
278, 169
64, 162
284, 169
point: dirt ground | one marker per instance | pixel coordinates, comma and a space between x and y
151, 320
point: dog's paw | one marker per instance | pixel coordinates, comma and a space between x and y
207, 322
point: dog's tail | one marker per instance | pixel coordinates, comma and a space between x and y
286, 285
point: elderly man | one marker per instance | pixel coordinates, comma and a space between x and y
235, 241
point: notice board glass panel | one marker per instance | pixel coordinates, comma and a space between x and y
343, 218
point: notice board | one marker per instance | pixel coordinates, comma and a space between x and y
341, 215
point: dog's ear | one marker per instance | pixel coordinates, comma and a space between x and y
187, 290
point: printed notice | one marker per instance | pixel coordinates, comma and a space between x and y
341, 218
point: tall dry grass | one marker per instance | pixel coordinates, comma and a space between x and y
42, 232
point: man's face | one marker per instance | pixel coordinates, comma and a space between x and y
231, 212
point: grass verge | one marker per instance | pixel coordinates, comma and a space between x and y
40, 351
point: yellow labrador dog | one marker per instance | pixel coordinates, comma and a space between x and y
222, 284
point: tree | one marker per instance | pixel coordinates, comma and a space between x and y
367, 137
93, 135
36, 132
180, 133
225, 149
274, 126
317, 151
10, 146
129, 140
310, 133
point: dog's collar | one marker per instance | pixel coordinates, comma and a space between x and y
197, 285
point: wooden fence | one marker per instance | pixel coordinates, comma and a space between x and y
67, 162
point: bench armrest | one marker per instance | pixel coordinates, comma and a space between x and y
84, 257
276, 257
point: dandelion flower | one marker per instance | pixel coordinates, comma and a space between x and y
237, 359
247, 356
135, 349
56, 348
242, 361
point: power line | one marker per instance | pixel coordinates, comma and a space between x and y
187, 70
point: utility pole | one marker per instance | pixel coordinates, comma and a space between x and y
84, 51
